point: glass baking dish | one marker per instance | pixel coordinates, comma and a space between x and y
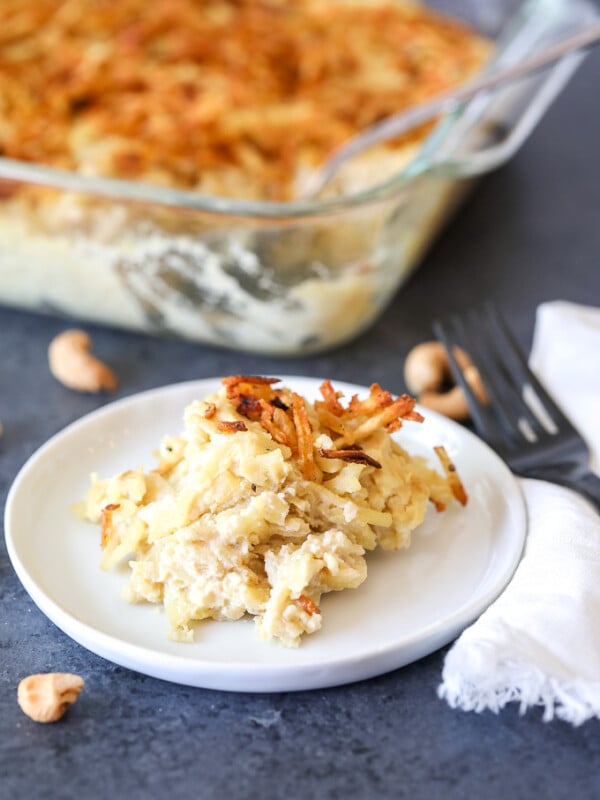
276, 278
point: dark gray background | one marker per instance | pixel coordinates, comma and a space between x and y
531, 232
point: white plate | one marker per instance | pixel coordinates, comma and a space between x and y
412, 602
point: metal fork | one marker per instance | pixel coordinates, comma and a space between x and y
521, 422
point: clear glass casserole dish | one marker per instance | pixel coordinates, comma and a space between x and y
285, 278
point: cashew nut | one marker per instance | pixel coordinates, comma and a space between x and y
427, 370
72, 363
46, 697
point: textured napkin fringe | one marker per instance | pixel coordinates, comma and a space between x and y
573, 701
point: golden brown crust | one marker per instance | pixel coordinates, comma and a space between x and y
198, 94
283, 414
306, 604
354, 455
106, 523
454, 481
332, 399
231, 426
211, 410
304, 437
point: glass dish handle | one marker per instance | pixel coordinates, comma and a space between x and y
492, 128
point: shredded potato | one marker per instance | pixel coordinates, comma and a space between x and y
228, 97
260, 507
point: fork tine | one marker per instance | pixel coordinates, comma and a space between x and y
527, 376
559, 454
504, 385
483, 418
504, 421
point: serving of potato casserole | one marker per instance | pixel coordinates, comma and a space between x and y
266, 502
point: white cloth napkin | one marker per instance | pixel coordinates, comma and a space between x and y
538, 644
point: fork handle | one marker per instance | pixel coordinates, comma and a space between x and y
580, 479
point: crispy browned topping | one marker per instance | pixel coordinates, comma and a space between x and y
251, 380
354, 455
226, 96
231, 426
379, 410
332, 399
307, 604
106, 521
283, 414
304, 437
454, 481
211, 410
280, 425
247, 391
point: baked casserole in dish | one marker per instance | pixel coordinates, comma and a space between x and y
152, 156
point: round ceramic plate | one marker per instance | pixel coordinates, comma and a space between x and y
412, 602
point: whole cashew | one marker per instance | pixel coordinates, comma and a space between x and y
72, 363
46, 697
427, 370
